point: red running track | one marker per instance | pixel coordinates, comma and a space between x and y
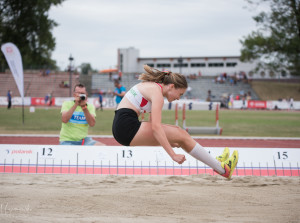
206, 142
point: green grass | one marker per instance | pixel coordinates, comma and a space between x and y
233, 122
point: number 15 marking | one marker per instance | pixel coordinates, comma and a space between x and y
282, 155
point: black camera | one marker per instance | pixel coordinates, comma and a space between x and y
82, 97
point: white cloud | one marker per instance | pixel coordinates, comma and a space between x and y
93, 30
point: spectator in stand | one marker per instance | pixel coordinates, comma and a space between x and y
43, 73
62, 85
241, 76
193, 76
220, 79
115, 76
9, 95
245, 79
249, 96
224, 101
231, 99
244, 101
77, 115
234, 78
189, 92
66, 84
119, 92
208, 96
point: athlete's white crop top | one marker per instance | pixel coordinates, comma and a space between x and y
137, 99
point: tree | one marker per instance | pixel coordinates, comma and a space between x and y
28, 26
85, 68
276, 43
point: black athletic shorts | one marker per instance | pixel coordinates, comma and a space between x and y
125, 125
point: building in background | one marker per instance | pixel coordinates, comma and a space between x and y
129, 61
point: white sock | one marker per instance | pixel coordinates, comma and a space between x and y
202, 155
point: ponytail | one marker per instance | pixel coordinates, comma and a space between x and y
164, 77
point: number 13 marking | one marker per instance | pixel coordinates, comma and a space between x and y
126, 153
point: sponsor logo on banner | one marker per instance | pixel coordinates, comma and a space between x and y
257, 104
40, 101
19, 151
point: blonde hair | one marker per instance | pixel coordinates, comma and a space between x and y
164, 77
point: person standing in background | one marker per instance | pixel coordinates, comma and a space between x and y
100, 100
50, 98
46, 99
291, 101
9, 93
119, 91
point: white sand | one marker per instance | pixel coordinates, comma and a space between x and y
133, 199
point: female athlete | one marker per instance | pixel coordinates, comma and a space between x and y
148, 96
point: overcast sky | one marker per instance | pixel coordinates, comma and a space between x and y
93, 30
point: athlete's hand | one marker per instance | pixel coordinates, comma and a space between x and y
179, 158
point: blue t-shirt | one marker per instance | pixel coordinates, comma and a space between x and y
9, 96
119, 91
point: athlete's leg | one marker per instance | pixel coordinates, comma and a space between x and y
176, 137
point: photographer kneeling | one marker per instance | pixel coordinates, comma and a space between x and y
76, 118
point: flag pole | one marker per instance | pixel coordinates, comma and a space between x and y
23, 110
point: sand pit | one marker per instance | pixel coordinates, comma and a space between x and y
138, 199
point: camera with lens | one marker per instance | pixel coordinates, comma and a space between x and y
82, 97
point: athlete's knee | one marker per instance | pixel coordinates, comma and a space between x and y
181, 135
184, 132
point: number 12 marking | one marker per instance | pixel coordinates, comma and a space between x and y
48, 152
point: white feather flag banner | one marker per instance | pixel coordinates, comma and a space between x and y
14, 60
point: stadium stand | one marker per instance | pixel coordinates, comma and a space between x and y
36, 85
200, 86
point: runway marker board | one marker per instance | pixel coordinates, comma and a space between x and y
122, 160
